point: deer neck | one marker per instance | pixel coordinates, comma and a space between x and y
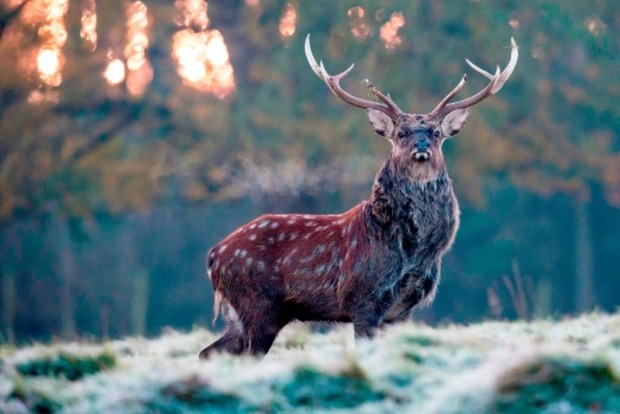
410, 211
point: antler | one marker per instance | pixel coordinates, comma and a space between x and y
496, 83
387, 106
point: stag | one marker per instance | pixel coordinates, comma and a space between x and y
370, 265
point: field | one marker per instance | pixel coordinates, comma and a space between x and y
545, 366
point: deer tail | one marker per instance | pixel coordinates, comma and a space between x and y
217, 305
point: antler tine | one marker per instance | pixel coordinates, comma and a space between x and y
451, 95
388, 107
496, 83
514, 56
387, 99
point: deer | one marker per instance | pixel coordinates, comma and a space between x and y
369, 266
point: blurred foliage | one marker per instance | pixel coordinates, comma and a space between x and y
103, 181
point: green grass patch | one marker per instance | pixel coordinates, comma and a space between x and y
553, 383
34, 401
71, 367
312, 389
420, 340
193, 395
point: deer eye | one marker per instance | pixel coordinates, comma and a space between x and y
436, 133
401, 134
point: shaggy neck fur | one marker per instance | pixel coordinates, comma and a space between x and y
415, 209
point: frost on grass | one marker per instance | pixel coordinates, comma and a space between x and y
570, 366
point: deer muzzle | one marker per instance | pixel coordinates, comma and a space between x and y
421, 147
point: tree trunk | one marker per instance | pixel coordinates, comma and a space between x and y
584, 286
7, 334
140, 302
68, 269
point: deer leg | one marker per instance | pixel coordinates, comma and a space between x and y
260, 343
422, 292
232, 342
366, 320
234, 339
267, 322
401, 317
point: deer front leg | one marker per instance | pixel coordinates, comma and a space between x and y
421, 292
365, 325
369, 317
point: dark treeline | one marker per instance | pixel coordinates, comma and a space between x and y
130, 147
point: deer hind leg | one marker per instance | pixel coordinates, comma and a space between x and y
230, 342
267, 321
234, 340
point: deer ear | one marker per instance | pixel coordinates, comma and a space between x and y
454, 122
381, 123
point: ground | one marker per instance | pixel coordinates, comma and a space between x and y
545, 366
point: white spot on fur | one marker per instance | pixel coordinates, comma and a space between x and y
291, 221
270, 240
252, 226
320, 248
310, 224
263, 224
289, 256
274, 225
281, 236
260, 266
242, 253
221, 249
217, 264
353, 243
237, 252
293, 236
319, 269
252, 237
307, 236
248, 261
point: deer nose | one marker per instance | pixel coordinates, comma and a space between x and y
422, 145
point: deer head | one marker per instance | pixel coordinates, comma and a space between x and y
416, 138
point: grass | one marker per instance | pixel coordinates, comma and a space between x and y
546, 366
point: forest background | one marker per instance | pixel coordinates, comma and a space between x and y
134, 135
